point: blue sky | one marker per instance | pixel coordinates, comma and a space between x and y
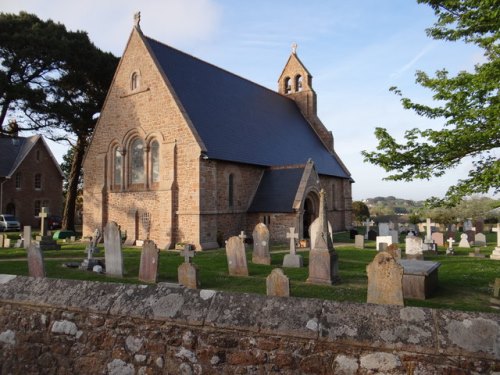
355, 51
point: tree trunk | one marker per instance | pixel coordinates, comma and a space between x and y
68, 222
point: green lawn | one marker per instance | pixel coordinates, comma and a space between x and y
464, 282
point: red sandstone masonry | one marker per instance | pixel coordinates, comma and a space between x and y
91, 327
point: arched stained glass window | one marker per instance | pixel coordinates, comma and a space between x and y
155, 161
134, 81
117, 167
137, 174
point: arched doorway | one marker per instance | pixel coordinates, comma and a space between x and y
311, 209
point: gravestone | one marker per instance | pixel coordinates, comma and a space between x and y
470, 235
385, 280
468, 225
420, 278
260, 253
359, 241
277, 284
6, 242
383, 239
236, 257
1, 240
27, 236
45, 240
372, 235
413, 249
383, 229
479, 226
292, 260
367, 223
438, 238
395, 235
72, 239
148, 268
496, 252
428, 230
477, 253
323, 260
464, 241
91, 249
315, 230
479, 239
36, 265
449, 250
394, 250
113, 250
187, 273
19, 243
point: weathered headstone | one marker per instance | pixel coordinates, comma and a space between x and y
236, 257
91, 249
470, 235
1, 240
477, 253
19, 243
72, 239
6, 242
113, 250
36, 265
27, 236
323, 260
260, 253
413, 249
359, 241
277, 284
496, 252
449, 250
367, 223
468, 225
293, 259
315, 230
383, 229
395, 235
438, 238
394, 250
383, 239
479, 239
464, 241
372, 235
148, 269
385, 280
187, 273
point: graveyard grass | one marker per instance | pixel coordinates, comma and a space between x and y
465, 283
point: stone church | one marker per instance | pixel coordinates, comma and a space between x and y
203, 154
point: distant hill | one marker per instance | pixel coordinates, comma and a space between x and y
392, 206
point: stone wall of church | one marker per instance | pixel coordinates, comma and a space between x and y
83, 327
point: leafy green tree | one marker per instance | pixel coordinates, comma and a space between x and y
469, 105
58, 80
360, 211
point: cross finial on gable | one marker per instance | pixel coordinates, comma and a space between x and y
294, 48
137, 19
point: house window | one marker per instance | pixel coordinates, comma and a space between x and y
18, 180
266, 220
38, 181
155, 161
134, 81
137, 162
288, 86
117, 168
231, 190
298, 83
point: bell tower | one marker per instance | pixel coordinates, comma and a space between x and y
296, 82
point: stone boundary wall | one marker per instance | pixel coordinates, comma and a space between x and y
50, 326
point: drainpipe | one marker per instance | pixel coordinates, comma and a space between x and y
1, 192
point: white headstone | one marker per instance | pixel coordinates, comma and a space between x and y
359, 241
479, 239
463, 241
27, 236
413, 246
496, 252
383, 239
113, 250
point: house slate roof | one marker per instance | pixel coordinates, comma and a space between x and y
241, 121
13, 150
277, 190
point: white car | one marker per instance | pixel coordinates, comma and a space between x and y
9, 223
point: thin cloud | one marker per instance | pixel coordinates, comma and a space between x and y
398, 73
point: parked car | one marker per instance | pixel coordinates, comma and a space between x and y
54, 222
9, 223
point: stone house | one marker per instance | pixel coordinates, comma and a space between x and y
30, 178
205, 153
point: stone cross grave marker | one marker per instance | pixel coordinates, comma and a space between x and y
148, 269
277, 284
367, 223
113, 250
359, 241
323, 259
36, 265
187, 273
242, 236
449, 250
464, 241
27, 236
292, 259
44, 213
260, 253
428, 230
385, 280
479, 239
413, 248
383, 229
496, 252
146, 223
236, 257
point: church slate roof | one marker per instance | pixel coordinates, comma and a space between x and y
13, 150
241, 121
277, 190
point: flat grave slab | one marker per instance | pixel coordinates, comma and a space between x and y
420, 278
